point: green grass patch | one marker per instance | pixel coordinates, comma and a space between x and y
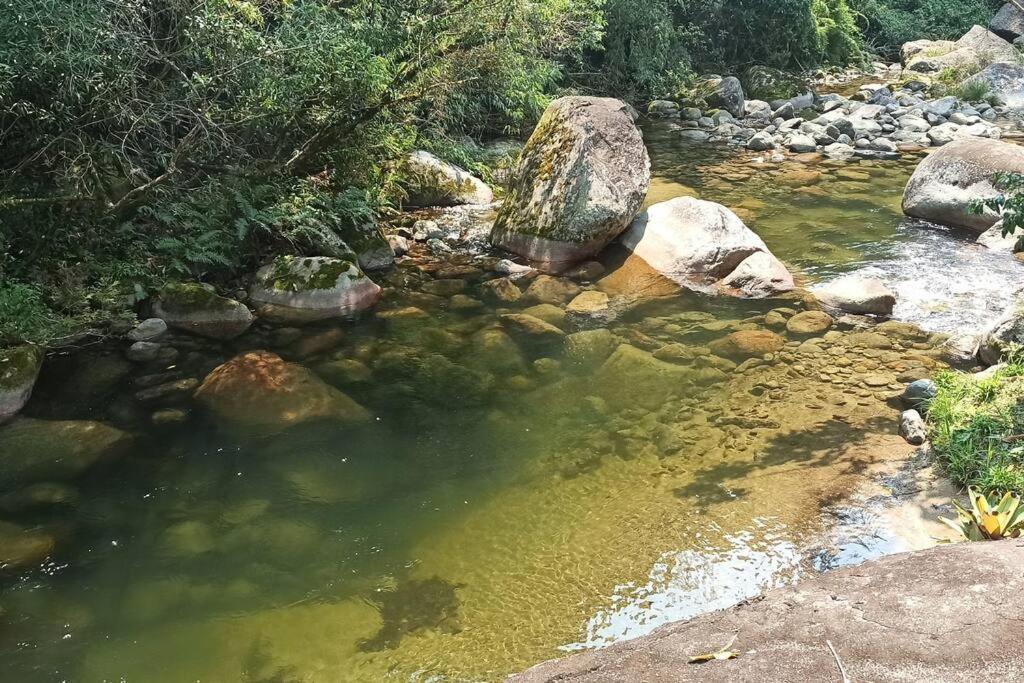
976, 427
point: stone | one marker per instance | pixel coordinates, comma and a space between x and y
727, 94
663, 109
56, 450
634, 378
19, 369
675, 353
501, 290
549, 313
198, 309
258, 394
493, 350
344, 372
913, 428
918, 393
747, 344
168, 392
317, 343
994, 239
590, 348
762, 141
530, 326
809, 324
947, 181
149, 329
1004, 80
972, 53
801, 143
580, 180
433, 182
589, 303
767, 83
445, 287
1008, 23
22, 548
1007, 330
698, 244
298, 290
47, 494
857, 294
547, 289
144, 352
918, 47
759, 275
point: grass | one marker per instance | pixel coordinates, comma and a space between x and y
976, 91
976, 427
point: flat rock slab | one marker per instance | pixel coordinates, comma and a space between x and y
950, 613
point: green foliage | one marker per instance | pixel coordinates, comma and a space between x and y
976, 91
990, 518
1008, 204
887, 24
976, 426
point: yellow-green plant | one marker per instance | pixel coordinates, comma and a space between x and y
988, 520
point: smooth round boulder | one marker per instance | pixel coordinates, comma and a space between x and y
258, 394
430, 181
579, 181
919, 393
913, 428
747, 344
198, 309
809, 324
19, 369
857, 294
945, 184
148, 330
57, 450
294, 290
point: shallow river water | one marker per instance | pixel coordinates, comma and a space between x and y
510, 501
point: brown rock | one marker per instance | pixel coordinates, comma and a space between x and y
748, 344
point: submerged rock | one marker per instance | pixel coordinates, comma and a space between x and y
857, 294
258, 393
809, 323
196, 308
701, 244
947, 181
433, 182
19, 369
581, 178
748, 344
298, 290
55, 450
546, 289
23, 548
632, 377
589, 348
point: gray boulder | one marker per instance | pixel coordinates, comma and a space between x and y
297, 290
663, 109
197, 308
1005, 80
1008, 23
857, 294
703, 245
433, 182
761, 142
972, 53
728, 95
947, 181
1008, 329
53, 450
19, 368
580, 180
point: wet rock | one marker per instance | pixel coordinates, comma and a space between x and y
947, 181
187, 539
696, 243
961, 348
19, 369
857, 294
676, 353
748, 344
762, 141
546, 289
759, 275
299, 290
399, 244
529, 326
167, 417
433, 182
590, 348
22, 548
501, 290
493, 350
809, 324
170, 392
994, 239
663, 109
549, 313
1007, 330
589, 303
317, 343
913, 428
589, 271
867, 340
344, 372
150, 329
465, 303
37, 496
260, 394
579, 182
55, 450
198, 309
919, 393
445, 288
631, 377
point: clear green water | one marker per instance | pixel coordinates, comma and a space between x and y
506, 504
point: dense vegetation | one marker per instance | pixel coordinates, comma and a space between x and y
142, 140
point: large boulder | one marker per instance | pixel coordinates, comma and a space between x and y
631, 377
857, 294
703, 245
766, 83
972, 53
198, 309
433, 182
947, 181
727, 93
1007, 330
19, 368
258, 394
297, 290
1003, 79
1008, 23
580, 180
47, 450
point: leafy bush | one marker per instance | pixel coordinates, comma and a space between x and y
1008, 204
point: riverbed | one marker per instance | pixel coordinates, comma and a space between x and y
510, 501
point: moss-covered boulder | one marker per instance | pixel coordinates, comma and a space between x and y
430, 181
55, 450
768, 84
580, 180
296, 290
258, 394
19, 369
198, 309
